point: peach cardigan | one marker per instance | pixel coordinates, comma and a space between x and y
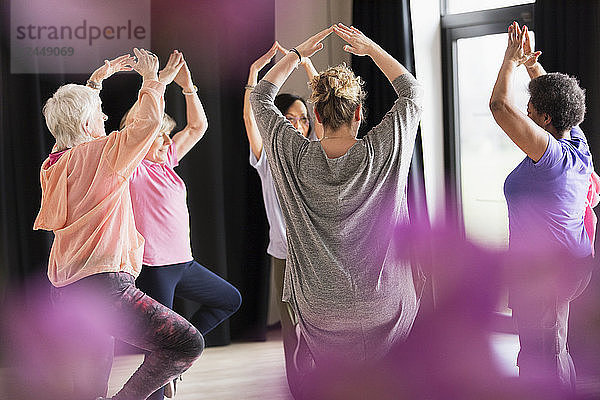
86, 201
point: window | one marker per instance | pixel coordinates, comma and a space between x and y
486, 154
463, 6
478, 155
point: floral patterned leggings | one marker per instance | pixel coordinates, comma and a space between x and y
109, 305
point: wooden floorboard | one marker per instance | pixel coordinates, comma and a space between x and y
252, 370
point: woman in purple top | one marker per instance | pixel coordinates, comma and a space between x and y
546, 197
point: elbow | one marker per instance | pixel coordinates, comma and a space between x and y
198, 129
201, 125
498, 106
247, 118
256, 100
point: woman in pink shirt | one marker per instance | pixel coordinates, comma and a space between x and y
97, 252
158, 196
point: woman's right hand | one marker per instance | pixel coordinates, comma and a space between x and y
265, 58
184, 76
170, 71
110, 67
146, 64
514, 48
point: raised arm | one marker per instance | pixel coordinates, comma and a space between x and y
110, 67
311, 72
126, 148
361, 45
269, 119
197, 123
306, 63
521, 129
252, 132
284, 67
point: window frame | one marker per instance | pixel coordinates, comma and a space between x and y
454, 27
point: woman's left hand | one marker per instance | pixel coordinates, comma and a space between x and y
184, 76
313, 44
174, 64
110, 67
528, 48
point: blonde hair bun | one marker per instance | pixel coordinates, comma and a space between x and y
336, 93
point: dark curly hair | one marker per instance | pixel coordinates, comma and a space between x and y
559, 96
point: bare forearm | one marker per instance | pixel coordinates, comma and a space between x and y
252, 78
282, 70
254, 139
536, 70
390, 67
196, 117
310, 69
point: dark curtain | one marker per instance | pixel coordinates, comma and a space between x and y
568, 34
219, 39
388, 23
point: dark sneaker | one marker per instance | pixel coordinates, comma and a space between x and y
171, 388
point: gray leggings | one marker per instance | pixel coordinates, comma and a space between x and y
118, 309
542, 319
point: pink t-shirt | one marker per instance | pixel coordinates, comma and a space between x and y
160, 209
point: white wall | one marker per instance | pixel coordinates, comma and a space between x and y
428, 59
295, 21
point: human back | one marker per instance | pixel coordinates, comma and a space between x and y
341, 199
347, 208
547, 200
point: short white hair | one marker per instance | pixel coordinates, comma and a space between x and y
67, 111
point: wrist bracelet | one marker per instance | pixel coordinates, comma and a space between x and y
94, 84
293, 49
191, 92
249, 87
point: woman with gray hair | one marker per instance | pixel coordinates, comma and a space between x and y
97, 252
159, 200
547, 197
341, 198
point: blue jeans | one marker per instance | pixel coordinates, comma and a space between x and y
102, 306
218, 299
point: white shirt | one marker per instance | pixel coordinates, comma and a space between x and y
277, 239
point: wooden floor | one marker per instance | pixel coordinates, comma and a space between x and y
256, 371
239, 371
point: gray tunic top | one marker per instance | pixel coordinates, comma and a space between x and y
354, 298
